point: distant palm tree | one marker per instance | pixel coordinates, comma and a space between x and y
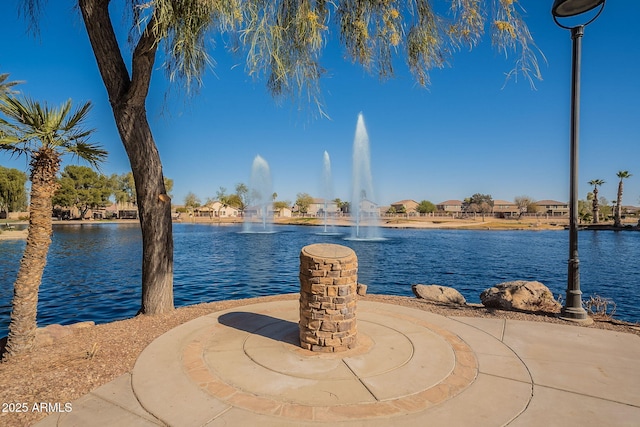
43, 134
596, 206
223, 198
622, 175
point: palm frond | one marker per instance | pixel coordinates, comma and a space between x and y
6, 86
13, 149
29, 126
91, 153
10, 133
77, 118
58, 117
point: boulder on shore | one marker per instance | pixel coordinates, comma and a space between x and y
520, 295
361, 289
436, 293
51, 333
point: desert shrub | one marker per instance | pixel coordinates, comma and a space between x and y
599, 307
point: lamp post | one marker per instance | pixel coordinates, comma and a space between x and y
573, 309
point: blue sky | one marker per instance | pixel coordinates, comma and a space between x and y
465, 134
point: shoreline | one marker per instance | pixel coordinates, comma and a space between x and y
419, 223
443, 223
13, 234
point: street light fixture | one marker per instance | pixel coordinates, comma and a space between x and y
567, 8
573, 309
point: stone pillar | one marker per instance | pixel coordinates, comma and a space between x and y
328, 286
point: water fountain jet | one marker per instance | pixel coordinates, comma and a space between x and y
260, 199
363, 210
327, 191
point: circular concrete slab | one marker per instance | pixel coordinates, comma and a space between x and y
283, 371
407, 364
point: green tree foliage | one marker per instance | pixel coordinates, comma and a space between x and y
223, 198
124, 187
191, 201
303, 201
236, 201
606, 210
426, 206
478, 203
281, 204
13, 193
241, 198
584, 211
168, 185
84, 188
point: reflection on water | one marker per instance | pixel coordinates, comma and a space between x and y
93, 270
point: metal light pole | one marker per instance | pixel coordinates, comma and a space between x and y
573, 309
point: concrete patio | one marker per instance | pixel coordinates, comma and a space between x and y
245, 367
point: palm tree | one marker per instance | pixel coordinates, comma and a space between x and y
44, 135
622, 175
222, 197
596, 207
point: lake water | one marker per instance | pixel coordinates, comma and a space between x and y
93, 270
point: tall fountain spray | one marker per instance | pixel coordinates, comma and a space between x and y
363, 210
260, 198
327, 187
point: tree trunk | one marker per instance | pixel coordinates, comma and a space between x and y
23, 325
127, 96
155, 210
596, 208
617, 217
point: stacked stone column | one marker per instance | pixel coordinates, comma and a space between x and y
328, 286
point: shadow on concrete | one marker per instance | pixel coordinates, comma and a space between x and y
263, 325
